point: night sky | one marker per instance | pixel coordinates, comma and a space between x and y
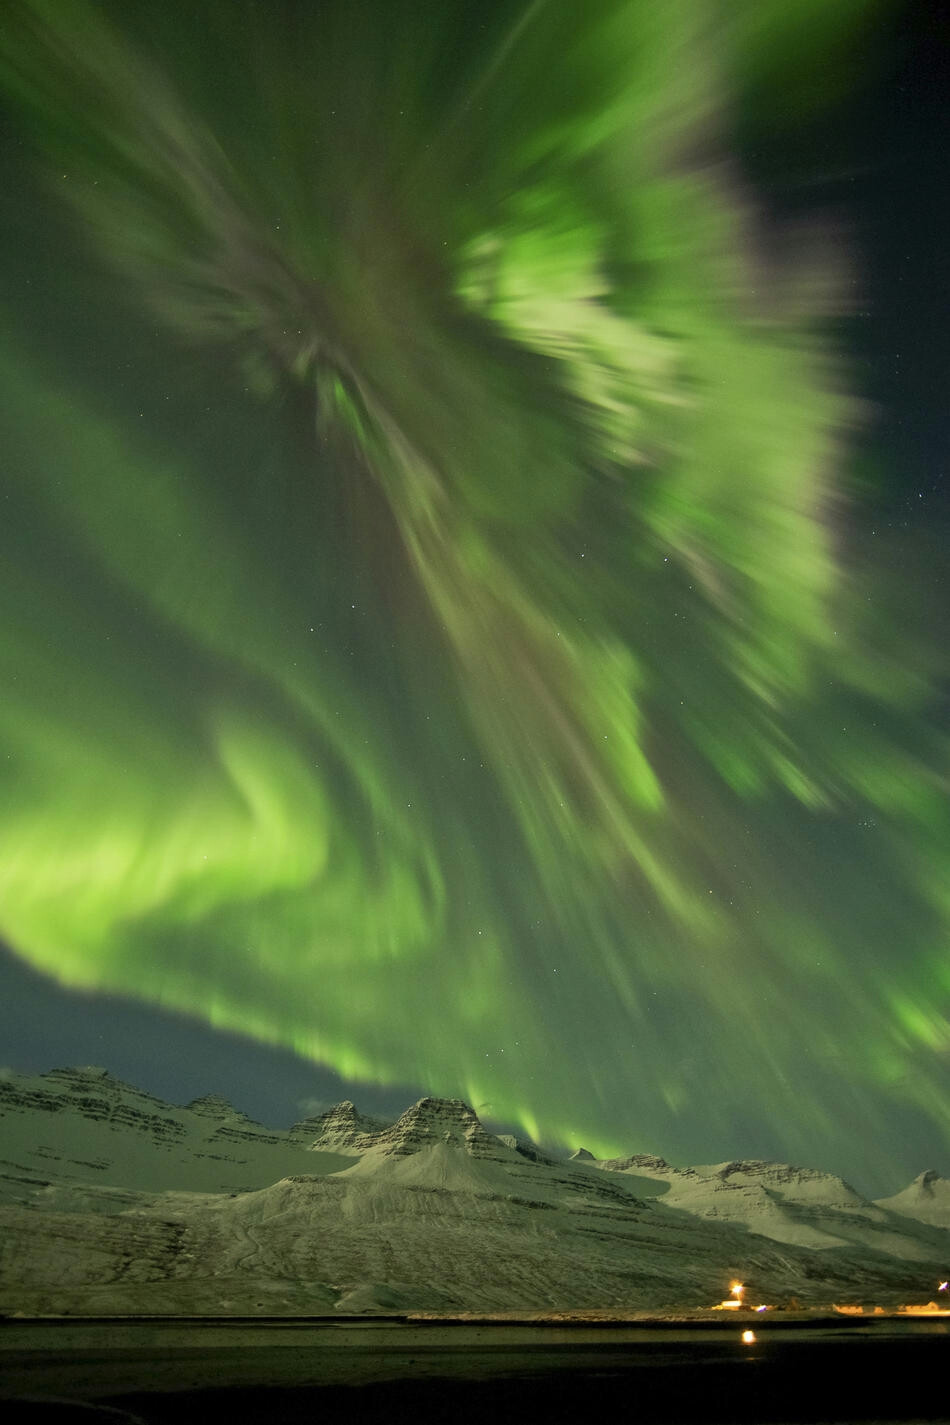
473, 564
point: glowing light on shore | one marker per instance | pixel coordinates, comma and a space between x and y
748, 1338
734, 1302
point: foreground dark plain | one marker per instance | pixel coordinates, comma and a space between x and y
175, 1373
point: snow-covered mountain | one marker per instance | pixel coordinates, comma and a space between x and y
111, 1200
70, 1130
801, 1206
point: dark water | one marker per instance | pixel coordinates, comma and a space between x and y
168, 1373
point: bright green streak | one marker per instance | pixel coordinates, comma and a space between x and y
475, 698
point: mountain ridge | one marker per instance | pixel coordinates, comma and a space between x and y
107, 1192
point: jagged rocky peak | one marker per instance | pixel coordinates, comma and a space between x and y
637, 1162
212, 1105
581, 1155
341, 1126
927, 1181
436, 1117
439, 1120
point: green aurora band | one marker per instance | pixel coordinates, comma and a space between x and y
431, 637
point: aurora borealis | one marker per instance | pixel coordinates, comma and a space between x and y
450, 628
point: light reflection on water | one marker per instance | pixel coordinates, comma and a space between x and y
100, 1360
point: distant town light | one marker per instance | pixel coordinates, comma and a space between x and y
748, 1338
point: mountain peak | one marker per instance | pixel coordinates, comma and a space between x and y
431, 1103
648, 1162
438, 1120
927, 1199
927, 1179
211, 1105
430, 1106
341, 1126
582, 1155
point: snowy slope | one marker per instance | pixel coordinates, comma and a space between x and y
801, 1206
